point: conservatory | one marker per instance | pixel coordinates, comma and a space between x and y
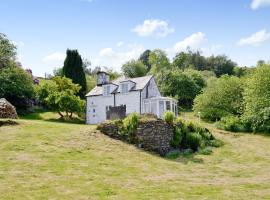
159, 105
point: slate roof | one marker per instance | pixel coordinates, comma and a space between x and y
140, 83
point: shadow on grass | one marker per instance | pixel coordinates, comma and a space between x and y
45, 115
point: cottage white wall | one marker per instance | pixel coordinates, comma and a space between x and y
98, 103
131, 100
153, 91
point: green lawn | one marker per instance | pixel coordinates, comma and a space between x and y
43, 159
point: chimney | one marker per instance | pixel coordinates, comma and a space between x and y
102, 78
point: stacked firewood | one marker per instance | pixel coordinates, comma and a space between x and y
7, 110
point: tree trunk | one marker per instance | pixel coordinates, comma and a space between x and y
60, 114
70, 116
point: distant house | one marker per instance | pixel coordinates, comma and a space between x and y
139, 95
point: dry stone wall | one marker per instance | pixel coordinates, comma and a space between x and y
152, 135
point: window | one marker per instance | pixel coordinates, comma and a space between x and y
106, 90
168, 105
94, 110
161, 108
124, 87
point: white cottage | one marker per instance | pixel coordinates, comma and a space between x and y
139, 95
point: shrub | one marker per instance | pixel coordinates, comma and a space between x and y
230, 123
130, 124
173, 154
177, 138
169, 117
221, 97
194, 140
256, 96
214, 143
206, 151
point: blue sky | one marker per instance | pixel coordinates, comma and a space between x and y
110, 32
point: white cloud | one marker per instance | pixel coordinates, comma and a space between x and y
119, 44
153, 27
193, 42
255, 4
56, 56
255, 39
115, 59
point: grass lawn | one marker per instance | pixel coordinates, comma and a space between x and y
43, 159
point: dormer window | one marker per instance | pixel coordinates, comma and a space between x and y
106, 90
124, 87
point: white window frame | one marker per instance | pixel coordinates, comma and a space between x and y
106, 90
127, 88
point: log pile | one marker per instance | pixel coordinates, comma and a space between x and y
7, 110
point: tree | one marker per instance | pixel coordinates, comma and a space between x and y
73, 69
159, 64
16, 85
222, 97
134, 69
60, 96
144, 57
194, 60
7, 51
257, 102
180, 85
221, 65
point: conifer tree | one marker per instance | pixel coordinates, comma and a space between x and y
73, 69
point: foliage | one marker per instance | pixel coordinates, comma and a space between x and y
182, 85
60, 96
231, 123
194, 140
144, 57
221, 97
221, 65
169, 117
73, 69
16, 86
7, 51
134, 69
90, 82
177, 137
256, 96
194, 60
130, 124
159, 64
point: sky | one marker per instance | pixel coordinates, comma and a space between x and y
111, 32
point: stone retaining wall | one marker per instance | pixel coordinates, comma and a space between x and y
152, 135
155, 135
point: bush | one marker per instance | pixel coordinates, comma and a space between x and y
173, 154
177, 138
222, 97
169, 117
206, 151
230, 123
214, 143
16, 86
194, 140
130, 124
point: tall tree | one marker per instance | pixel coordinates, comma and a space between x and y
221, 65
7, 50
134, 69
144, 57
159, 64
73, 69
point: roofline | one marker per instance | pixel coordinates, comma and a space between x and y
99, 72
149, 81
